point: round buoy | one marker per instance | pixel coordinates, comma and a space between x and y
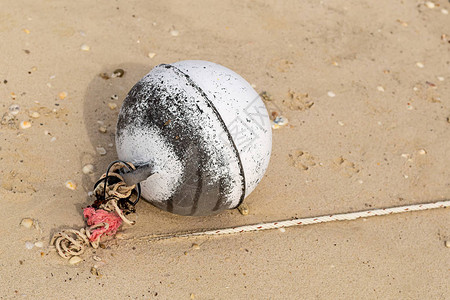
204, 131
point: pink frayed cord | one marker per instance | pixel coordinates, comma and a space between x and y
94, 217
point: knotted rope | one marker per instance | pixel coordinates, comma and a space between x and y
104, 216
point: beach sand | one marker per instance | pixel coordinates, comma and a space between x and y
364, 85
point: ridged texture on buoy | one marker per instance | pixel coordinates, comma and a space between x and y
205, 131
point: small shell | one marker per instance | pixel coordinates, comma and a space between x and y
243, 209
151, 54
75, 260
96, 258
331, 94
422, 152
444, 11
101, 150
380, 88
29, 245
85, 47
27, 223
14, 109
39, 244
102, 129
419, 64
25, 124
447, 244
34, 114
195, 246
429, 4
62, 95
117, 73
174, 32
281, 121
71, 185
88, 169
112, 106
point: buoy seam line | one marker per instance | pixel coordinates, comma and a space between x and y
222, 122
305, 221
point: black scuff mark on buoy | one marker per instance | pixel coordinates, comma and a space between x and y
198, 192
223, 125
151, 105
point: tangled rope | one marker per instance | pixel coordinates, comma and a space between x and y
104, 216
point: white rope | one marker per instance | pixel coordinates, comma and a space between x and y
308, 221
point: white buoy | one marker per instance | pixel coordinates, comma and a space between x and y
204, 130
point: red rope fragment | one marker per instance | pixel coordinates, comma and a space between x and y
94, 217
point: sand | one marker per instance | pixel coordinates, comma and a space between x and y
381, 141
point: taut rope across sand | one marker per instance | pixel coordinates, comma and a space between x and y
308, 221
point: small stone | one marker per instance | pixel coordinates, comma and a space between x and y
422, 152
244, 209
62, 95
429, 4
151, 54
75, 260
410, 107
406, 176
85, 47
96, 258
71, 185
53, 139
380, 88
14, 109
102, 129
27, 223
447, 244
195, 246
29, 245
25, 124
420, 65
112, 106
39, 244
192, 296
282, 229
440, 78
444, 11
101, 151
88, 169
331, 94
341, 123
174, 32
34, 114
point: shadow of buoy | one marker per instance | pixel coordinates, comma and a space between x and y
102, 101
